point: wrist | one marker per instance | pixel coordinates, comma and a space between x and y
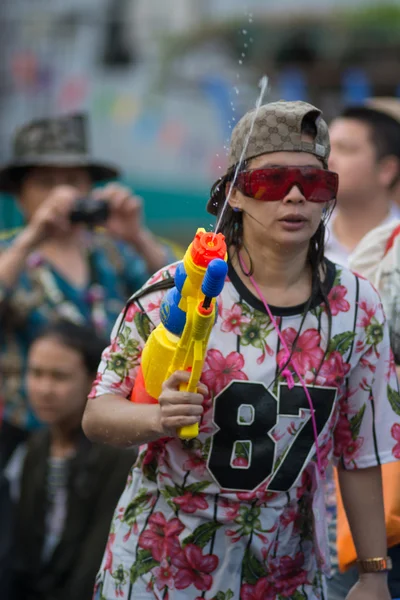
156, 427
27, 241
374, 577
141, 240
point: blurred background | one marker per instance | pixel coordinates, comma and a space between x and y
164, 82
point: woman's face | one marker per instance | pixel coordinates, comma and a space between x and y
57, 381
271, 223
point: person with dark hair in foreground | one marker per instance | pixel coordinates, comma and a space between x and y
65, 488
366, 155
298, 359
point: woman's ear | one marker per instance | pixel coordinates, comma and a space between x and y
234, 197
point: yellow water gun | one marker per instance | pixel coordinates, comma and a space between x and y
188, 313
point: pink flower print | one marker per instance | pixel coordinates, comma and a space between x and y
289, 515
240, 461
195, 463
262, 590
391, 367
109, 553
233, 320
337, 300
369, 314
350, 451
194, 568
164, 575
395, 432
262, 496
97, 381
222, 370
307, 354
154, 306
131, 312
190, 503
230, 508
305, 486
342, 435
288, 575
154, 450
333, 370
324, 452
161, 537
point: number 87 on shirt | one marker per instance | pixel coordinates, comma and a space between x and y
187, 313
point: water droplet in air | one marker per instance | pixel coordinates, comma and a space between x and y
236, 90
243, 54
251, 40
240, 62
237, 76
244, 31
246, 45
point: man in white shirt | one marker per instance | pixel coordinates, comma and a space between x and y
366, 155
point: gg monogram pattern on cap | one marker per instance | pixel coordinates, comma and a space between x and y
277, 128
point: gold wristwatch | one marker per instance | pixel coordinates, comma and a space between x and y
374, 565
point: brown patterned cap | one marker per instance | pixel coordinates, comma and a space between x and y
277, 128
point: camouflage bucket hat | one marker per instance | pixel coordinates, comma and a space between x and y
277, 128
59, 142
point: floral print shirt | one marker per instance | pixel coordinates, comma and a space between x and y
239, 512
42, 294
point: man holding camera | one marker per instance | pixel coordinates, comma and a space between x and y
62, 264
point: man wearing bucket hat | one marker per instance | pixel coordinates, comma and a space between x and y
60, 265
239, 512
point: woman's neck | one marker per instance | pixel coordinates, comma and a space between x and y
283, 275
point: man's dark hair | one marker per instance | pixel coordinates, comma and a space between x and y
384, 132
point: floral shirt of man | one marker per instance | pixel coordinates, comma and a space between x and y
239, 512
116, 272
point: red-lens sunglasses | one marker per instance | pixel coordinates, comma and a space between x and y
273, 183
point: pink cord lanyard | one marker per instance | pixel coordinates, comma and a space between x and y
288, 360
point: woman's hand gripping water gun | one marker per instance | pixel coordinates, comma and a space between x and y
188, 313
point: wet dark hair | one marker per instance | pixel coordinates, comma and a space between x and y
384, 132
81, 338
232, 227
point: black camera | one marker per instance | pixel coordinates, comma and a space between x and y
90, 212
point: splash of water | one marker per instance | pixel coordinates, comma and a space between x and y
263, 84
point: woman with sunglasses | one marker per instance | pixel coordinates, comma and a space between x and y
297, 374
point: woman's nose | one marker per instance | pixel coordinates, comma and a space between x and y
294, 195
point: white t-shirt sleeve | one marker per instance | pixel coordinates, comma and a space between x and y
368, 430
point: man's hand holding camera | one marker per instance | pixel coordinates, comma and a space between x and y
112, 207
124, 220
52, 218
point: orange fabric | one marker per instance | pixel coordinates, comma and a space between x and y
391, 493
139, 394
391, 239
